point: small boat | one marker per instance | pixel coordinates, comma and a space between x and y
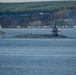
1, 32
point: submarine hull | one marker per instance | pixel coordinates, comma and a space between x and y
39, 36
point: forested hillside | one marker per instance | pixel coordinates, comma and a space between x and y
35, 7
38, 13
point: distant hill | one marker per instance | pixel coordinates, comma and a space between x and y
41, 13
48, 5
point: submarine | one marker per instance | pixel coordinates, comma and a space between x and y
53, 35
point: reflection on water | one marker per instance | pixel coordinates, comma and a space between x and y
38, 56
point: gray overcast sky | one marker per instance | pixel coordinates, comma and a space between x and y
31, 0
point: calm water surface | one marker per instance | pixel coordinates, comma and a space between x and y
38, 56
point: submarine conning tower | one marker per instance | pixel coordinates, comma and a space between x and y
55, 30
